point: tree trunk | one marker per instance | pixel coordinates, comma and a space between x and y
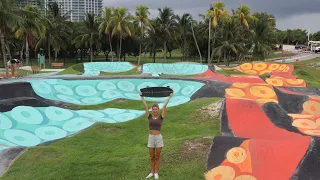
49, 53
165, 51
110, 44
140, 44
27, 51
91, 53
55, 55
209, 38
4, 54
21, 54
154, 52
184, 48
195, 40
9, 52
214, 41
120, 47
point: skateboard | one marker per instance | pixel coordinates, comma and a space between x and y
156, 91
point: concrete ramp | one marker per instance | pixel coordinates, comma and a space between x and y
95, 68
157, 69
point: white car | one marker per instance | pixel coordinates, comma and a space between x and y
316, 49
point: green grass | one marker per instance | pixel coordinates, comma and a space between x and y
229, 72
131, 72
310, 74
74, 69
118, 151
120, 103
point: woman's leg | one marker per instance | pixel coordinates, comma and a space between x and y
152, 159
158, 152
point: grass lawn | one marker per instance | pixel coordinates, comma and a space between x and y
118, 151
306, 70
131, 72
229, 72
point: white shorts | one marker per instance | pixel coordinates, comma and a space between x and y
155, 141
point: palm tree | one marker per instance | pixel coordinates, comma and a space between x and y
167, 26
195, 40
184, 27
263, 38
57, 31
9, 17
32, 27
244, 15
106, 26
215, 14
142, 15
89, 35
120, 23
231, 42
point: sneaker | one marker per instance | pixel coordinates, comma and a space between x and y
156, 176
149, 176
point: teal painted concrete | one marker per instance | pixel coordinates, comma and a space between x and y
157, 69
94, 68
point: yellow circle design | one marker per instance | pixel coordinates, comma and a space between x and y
315, 97
246, 66
318, 121
245, 177
234, 92
274, 82
262, 92
251, 72
304, 123
311, 107
300, 116
236, 155
312, 132
260, 66
273, 67
221, 173
282, 67
240, 85
295, 81
265, 72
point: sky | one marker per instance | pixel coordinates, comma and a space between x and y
290, 14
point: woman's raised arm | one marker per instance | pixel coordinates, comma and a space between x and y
163, 114
145, 105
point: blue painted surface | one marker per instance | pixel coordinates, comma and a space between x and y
30, 126
94, 68
157, 69
91, 92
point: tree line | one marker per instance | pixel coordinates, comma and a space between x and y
220, 35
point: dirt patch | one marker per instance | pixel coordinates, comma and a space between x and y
213, 109
120, 100
314, 65
196, 149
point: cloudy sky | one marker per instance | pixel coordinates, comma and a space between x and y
302, 14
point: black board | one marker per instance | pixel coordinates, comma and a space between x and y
156, 91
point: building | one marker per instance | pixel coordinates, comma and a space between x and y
29, 2
77, 9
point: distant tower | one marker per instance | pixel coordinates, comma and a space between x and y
77, 9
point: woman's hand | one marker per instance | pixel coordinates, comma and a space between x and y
171, 95
140, 93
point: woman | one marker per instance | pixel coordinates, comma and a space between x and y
155, 141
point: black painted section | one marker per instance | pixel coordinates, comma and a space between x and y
219, 148
22, 94
291, 103
308, 169
279, 117
305, 91
8, 155
211, 89
225, 128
